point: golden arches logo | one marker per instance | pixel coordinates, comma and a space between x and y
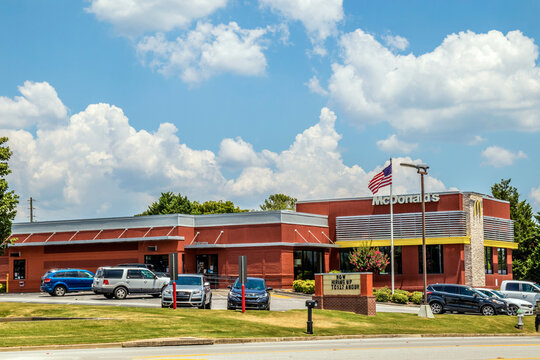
477, 208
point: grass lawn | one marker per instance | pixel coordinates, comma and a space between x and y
130, 323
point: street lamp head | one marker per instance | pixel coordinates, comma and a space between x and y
421, 168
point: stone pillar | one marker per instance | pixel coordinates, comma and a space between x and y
474, 252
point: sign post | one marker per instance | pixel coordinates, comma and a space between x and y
242, 275
173, 270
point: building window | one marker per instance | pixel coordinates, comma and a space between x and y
344, 263
488, 259
19, 269
307, 263
434, 259
501, 255
397, 259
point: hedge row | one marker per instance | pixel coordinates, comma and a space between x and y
400, 296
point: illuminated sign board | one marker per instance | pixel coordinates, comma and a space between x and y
341, 284
404, 199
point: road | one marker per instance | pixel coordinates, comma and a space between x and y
279, 301
481, 348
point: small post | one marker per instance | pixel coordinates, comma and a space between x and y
173, 269
310, 304
537, 320
519, 325
242, 275
7, 283
174, 294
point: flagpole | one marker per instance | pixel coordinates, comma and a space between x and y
391, 230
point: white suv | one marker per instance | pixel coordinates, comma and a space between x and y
119, 282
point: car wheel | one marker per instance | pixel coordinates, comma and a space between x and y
436, 307
203, 305
488, 310
120, 293
512, 310
59, 290
230, 307
209, 305
164, 306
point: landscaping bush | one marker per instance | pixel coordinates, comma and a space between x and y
305, 286
2, 288
335, 272
417, 297
383, 294
298, 285
399, 297
309, 287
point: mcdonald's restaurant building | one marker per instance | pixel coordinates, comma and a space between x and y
469, 240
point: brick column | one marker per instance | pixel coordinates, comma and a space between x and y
474, 252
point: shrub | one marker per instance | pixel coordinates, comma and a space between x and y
305, 286
399, 298
382, 295
309, 287
298, 285
335, 272
417, 297
2, 288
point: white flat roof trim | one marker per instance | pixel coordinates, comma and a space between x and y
225, 246
99, 241
192, 221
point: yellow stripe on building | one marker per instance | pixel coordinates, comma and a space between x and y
404, 242
501, 244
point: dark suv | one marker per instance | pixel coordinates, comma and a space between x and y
61, 281
462, 298
257, 296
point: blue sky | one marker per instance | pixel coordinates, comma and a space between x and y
108, 103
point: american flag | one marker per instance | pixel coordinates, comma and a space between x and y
382, 179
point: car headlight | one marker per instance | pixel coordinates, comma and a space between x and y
263, 295
498, 302
234, 295
167, 292
197, 292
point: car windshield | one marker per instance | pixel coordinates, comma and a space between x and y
189, 280
498, 294
490, 293
252, 284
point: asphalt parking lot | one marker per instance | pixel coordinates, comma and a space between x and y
280, 301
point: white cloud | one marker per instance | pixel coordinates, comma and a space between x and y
396, 42
535, 195
96, 164
319, 17
206, 51
498, 157
138, 16
315, 87
477, 140
470, 82
39, 104
396, 146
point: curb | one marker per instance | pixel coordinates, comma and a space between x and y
187, 341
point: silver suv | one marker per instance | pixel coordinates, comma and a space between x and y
119, 282
191, 290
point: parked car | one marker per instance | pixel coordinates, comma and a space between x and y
118, 282
61, 281
191, 290
462, 298
257, 296
513, 304
145, 266
524, 290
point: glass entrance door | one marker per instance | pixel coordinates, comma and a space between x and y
208, 264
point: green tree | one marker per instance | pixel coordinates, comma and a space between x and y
8, 199
169, 203
279, 202
215, 207
525, 228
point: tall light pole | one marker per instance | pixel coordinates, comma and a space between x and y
425, 311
